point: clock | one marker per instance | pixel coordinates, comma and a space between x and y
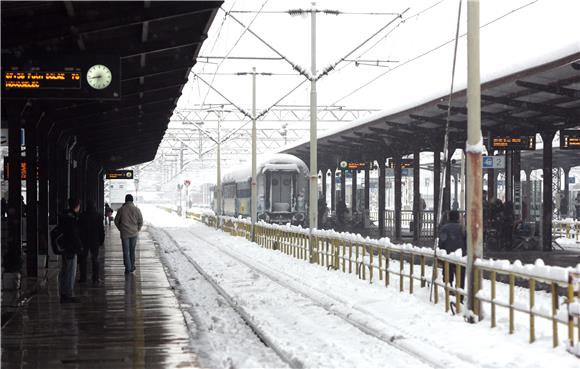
99, 76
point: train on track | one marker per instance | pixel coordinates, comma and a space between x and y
282, 184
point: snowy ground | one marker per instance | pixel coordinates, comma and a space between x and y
320, 318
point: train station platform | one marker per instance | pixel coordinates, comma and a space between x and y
128, 321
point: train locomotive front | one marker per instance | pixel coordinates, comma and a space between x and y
282, 184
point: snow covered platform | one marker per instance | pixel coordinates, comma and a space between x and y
130, 321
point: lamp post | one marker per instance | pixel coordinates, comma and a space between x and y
313, 203
474, 151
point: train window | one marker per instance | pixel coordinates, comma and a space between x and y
244, 193
274, 182
229, 191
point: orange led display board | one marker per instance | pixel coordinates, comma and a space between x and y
570, 139
119, 174
514, 143
41, 80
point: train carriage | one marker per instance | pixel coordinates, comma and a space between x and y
282, 184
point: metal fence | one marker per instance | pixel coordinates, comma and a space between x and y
409, 268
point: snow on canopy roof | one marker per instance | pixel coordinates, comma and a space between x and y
244, 173
504, 51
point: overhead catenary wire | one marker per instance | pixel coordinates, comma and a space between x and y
222, 95
401, 21
219, 31
233, 47
240, 57
295, 66
428, 52
265, 111
331, 67
325, 11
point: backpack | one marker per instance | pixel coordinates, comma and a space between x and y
57, 240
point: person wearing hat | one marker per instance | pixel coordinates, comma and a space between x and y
129, 221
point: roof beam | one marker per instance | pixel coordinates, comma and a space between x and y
525, 123
557, 90
543, 108
452, 123
45, 30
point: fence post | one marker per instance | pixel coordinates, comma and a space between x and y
532, 295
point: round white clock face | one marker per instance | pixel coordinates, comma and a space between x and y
99, 76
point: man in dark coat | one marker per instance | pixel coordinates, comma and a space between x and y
69, 223
452, 237
93, 236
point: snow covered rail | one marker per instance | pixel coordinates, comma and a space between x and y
564, 309
380, 261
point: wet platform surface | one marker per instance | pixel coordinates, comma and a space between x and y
129, 321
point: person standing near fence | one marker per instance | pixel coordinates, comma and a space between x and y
129, 221
452, 237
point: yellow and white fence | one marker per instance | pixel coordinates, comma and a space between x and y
410, 267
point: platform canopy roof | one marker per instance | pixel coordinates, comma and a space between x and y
158, 42
537, 99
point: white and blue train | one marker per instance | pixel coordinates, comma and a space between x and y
282, 183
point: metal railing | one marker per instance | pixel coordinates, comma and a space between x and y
410, 267
560, 228
566, 229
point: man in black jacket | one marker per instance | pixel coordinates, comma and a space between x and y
69, 222
452, 237
93, 236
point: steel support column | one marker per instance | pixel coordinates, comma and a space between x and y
517, 184
527, 199
367, 194
447, 188
509, 176
398, 196
323, 174
353, 189
381, 208
416, 195
491, 173
565, 206
436, 188
343, 186
547, 192
333, 192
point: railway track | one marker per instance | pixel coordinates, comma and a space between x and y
354, 316
262, 336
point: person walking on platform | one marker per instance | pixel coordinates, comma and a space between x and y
69, 222
93, 236
129, 222
452, 237
108, 214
